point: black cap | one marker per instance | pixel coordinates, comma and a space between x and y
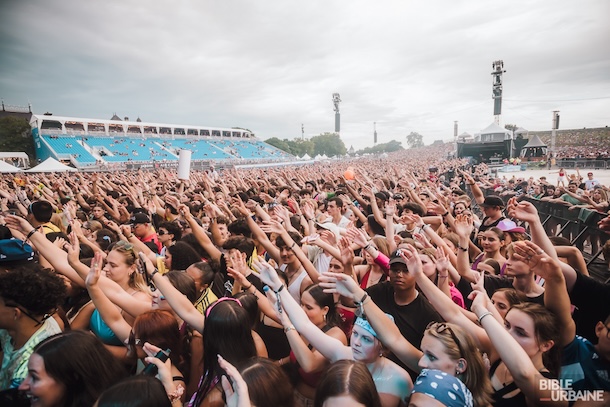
493, 200
396, 258
139, 218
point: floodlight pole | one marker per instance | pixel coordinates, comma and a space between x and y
496, 87
554, 128
336, 101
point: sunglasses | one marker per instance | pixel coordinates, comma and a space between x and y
440, 327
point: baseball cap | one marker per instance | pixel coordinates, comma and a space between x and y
507, 225
139, 218
331, 227
397, 259
493, 200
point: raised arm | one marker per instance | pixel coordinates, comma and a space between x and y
108, 311
199, 233
328, 346
463, 228
524, 373
444, 305
387, 331
556, 297
178, 301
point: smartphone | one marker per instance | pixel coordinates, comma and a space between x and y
151, 369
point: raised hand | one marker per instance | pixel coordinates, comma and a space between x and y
237, 276
463, 225
18, 223
272, 226
357, 236
442, 261
347, 254
523, 211
536, 258
233, 385
267, 273
390, 208
342, 284
411, 257
95, 271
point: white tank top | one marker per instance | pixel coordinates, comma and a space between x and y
295, 287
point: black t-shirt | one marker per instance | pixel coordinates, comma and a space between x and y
411, 319
492, 284
484, 227
591, 299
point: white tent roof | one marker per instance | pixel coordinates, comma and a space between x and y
521, 130
306, 157
6, 167
494, 129
51, 165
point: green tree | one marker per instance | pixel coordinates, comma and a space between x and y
329, 144
388, 147
15, 136
415, 140
277, 143
301, 147
511, 127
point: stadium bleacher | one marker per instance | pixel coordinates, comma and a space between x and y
86, 150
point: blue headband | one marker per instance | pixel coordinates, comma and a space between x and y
364, 324
443, 387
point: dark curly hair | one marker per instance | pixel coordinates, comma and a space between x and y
37, 290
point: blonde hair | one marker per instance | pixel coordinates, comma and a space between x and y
460, 345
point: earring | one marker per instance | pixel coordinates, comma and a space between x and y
324, 317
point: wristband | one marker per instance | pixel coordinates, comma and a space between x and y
445, 276
484, 315
247, 288
31, 233
289, 328
292, 245
445, 214
360, 304
153, 273
280, 309
464, 249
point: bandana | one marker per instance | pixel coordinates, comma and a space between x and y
364, 324
445, 388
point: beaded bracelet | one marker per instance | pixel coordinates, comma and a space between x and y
176, 394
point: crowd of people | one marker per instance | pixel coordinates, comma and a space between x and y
362, 283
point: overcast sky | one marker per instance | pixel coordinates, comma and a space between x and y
271, 65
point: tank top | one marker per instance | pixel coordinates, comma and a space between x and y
103, 331
518, 400
310, 379
295, 286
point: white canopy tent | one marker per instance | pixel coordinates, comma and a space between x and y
7, 168
51, 165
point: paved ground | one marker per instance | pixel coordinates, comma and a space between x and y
602, 176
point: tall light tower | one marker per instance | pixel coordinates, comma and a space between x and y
375, 132
302, 131
455, 135
336, 101
554, 128
498, 70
